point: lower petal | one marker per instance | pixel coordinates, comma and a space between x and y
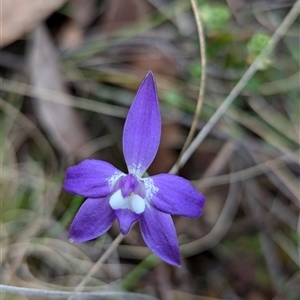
159, 234
94, 218
126, 218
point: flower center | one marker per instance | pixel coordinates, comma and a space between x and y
130, 194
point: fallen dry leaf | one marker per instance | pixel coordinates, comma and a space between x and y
20, 16
61, 122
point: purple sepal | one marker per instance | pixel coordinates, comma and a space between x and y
126, 218
176, 196
94, 218
90, 178
159, 234
142, 128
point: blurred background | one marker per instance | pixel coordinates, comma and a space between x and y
69, 72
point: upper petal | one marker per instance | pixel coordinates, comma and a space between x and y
94, 218
91, 178
142, 128
176, 195
159, 234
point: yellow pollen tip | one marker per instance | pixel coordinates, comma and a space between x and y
132, 193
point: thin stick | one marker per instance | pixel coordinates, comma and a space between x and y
61, 98
247, 173
99, 263
220, 228
202, 80
281, 30
100, 295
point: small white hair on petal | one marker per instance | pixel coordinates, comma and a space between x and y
114, 178
151, 189
136, 170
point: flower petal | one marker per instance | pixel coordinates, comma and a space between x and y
94, 218
117, 201
91, 178
137, 203
176, 196
159, 233
142, 128
126, 218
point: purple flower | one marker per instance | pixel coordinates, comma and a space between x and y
131, 197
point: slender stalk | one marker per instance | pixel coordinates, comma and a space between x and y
43, 294
99, 263
202, 79
281, 30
